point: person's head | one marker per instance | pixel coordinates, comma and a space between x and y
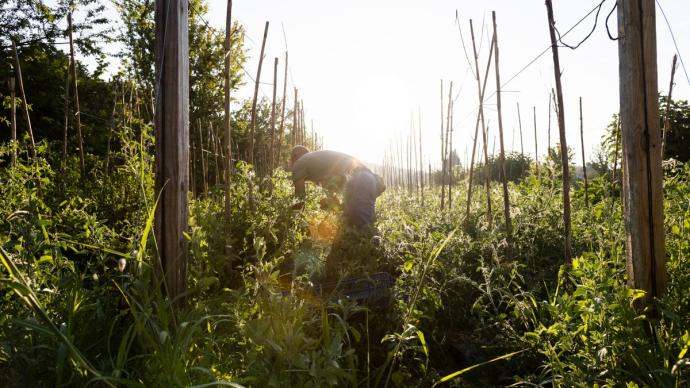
297, 152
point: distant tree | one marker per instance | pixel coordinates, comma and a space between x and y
517, 167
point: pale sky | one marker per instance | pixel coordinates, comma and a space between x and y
364, 67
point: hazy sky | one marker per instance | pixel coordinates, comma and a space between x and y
363, 68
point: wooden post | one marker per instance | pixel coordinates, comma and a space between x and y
548, 136
273, 117
421, 167
13, 121
66, 112
202, 156
282, 109
480, 115
443, 151
536, 149
227, 161
450, 160
295, 125
669, 101
584, 163
447, 147
77, 113
172, 141
561, 130
502, 157
643, 176
22, 94
487, 175
252, 125
522, 147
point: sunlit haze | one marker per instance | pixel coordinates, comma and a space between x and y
364, 68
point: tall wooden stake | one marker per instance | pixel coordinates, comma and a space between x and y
487, 174
66, 112
77, 113
227, 161
584, 163
536, 150
522, 147
13, 121
172, 141
643, 176
480, 115
282, 110
22, 94
669, 101
273, 117
447, 146
561, 130
252, 125
502, 157
443, 152
421, 167
295, 124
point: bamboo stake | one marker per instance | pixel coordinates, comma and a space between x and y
548, 136
421, 167
295, 125
282, 110
450, 160
667, 118
504, 179
273, 116
447, 147
13, 121
227, 161
22, 94
252, 125
584, 164
561, 130
480, 115
443, 151
522, 147
66, 112
536, 150
487, 175
77, 113
204, 168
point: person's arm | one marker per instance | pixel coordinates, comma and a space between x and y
299, 188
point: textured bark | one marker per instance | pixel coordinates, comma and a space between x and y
643, 176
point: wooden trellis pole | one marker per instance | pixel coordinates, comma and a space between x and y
22, 94
66, 111
561, 130
447, 146
295, 125
480, 115
584, 163
487, 175
669, 101
421, 167
502, 157
227, 161
522, 148
536, 149
252, 125
643, 175
271, 164
443, 151
172, 142
13, 120
282, 110
77, 113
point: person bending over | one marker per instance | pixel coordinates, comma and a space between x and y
336, 171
